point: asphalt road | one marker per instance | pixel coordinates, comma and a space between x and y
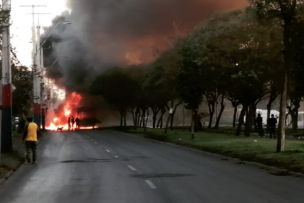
112, 167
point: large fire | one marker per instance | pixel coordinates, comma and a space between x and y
58, 118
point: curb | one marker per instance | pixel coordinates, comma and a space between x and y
10, 173
271, 169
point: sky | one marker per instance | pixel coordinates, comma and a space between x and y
21, 18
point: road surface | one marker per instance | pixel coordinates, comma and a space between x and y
111, 167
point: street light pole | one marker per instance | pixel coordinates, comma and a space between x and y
37, 55
6, 124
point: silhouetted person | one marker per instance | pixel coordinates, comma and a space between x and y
77, 122
21, 125
259, 122
72, 121
30, 137
69, 123
272, 126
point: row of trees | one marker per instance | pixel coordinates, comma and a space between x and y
245, 56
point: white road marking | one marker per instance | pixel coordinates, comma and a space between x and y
108, 151
152, 186
116, 156
95, 142
132, 168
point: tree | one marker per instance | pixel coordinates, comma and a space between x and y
286, 11
190, 85
235, 48
22, 96
157, 91
119, 89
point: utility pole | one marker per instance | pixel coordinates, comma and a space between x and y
35, 70
6, 123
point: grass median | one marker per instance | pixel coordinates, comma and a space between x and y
256, 149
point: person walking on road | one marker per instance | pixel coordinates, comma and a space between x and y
272, 126
30, 139
259, 122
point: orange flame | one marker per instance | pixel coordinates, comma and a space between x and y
67, 109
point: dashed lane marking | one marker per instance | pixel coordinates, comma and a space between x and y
108, 151
132, 168
151, 185
116, 157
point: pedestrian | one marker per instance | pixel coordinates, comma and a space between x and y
72, 121
272, 126
21, 125
259, 122
30, 135
77, 122
69, 123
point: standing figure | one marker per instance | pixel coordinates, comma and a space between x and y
72, 121
77, 122
272, 126
259, 122
30, 135
69, 123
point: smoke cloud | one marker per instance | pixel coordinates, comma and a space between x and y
108, 33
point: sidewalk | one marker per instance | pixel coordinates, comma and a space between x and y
11, 161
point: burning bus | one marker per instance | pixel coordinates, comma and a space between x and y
59, 118
87, 117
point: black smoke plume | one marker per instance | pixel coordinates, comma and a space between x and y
107, 33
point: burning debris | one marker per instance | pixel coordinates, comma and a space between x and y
70, 116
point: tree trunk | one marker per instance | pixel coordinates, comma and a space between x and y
295, 120
167, 123
193, 122
220, 113
254, 117
134, 119
211, 112
249, 118
241, 120
146, 120
173, 114
142, 120
282, 125
154, 120
125, 119
234, 116
155, 111
160, 120
171, 120
268, 113
121, 118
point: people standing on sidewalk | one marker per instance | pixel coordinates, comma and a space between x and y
272, 126
259, 122
30, 138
